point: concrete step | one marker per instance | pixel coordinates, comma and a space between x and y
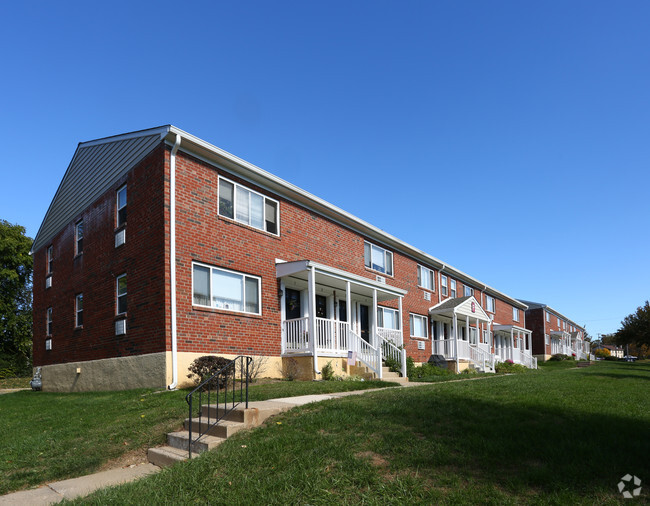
165, 456
224, 429
250, 417
181, 440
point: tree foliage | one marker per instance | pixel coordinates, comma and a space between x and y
16, 267
635, 328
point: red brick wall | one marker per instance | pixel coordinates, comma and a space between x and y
536, 321
204, 236
93, 274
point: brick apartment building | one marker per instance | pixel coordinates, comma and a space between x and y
159, 247
553, 333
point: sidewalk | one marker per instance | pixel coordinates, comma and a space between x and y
84, 485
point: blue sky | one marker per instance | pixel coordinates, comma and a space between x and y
509, 139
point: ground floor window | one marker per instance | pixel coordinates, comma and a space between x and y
387, 318
418, 325
223, 289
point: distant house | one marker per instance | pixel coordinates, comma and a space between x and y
159, 247
553, 333
614, 351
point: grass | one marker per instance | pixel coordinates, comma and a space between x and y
562, 437
54, 436
15, 382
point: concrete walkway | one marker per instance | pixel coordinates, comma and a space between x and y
84, 485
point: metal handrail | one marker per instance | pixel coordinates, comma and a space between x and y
226, 375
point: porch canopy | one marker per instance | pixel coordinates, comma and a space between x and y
467, 308
514, 331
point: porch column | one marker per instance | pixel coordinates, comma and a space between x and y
467, 328
511, 344
348, 310
455, 333
401, 327
283, 317
311, 282
373, 329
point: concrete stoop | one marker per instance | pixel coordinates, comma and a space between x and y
178, 443
386, 373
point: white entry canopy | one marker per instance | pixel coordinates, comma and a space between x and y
461, 306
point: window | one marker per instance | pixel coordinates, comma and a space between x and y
378, 259
79, 237
387, 318
50, 259
223, 289
468, 291
548, 317
79, 310
425, 278
48, 330
558, 322
546, 340
443, 285
121, 207
418, 325
452, 283
248, 207
515, 314
489, 303
120, 296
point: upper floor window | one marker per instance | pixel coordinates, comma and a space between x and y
79, 310
223, 289
378, 259
468, 291
443, 285
425, 278
48, 330
248, 207
50, 259
387, 318
548, 317
120, 296
489, 303
452, 287
515, 314
79, 237
121, 206
418, 325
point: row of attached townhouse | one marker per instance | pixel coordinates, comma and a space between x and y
159, 247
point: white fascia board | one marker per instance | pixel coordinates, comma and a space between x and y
162, 131
513, 327
250, 172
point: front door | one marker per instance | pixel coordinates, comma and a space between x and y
364, 322
292, 304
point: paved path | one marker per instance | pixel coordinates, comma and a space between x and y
84, 485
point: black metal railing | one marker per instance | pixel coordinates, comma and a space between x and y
226, 389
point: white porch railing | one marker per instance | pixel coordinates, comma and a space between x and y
478, 355
392, 335
367, 353
332, 335
295, 336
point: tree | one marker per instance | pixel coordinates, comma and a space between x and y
635, 328
16, 265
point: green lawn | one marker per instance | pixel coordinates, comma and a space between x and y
50, 436
562, 436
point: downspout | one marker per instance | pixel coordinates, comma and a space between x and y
172, 259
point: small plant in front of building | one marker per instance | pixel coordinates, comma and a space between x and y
327, 372
290, 369
509, 367
393, 364
204, 367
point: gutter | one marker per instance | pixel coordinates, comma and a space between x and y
172, 258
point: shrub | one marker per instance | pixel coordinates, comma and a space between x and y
424, 371
602, 353
559, 357
327, 372
393, 365
509, 367
255, 368
204, 367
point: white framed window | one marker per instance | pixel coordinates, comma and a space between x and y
443, 285
452, 288
515, 314
120, 294
120, 218
418, 325
248, 207
426, 278
378, 259
48, 327
223, 289
546, 339
559, 323
468, 291
473, 335
50, 259
79, 237
548, 317
79, 310
489, 303
387, 318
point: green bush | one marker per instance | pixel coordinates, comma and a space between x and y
558, 357
327, 372
393, 365
424, 371
510, 368
204, 367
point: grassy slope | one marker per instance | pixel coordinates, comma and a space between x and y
561, 437
49, 436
